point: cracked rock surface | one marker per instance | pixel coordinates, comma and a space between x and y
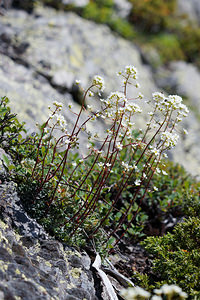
33, 265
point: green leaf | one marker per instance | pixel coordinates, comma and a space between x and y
6, 160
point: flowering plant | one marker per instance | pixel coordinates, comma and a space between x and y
168, 292
82, 183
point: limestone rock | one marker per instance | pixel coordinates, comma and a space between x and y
78, 3
33, 265
64, 41
41, 269
63, 79
190, 8
123, 8
184, 79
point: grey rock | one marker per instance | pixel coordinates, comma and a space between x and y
63, 79
12, 211
77, 3
184, 79
123, 8
33, 268
190, 8
75, 46
190, 158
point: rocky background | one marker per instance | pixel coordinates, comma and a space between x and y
43, 52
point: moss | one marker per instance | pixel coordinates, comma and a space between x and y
47, 263
3, 266
168, 47
70, 286
75, 272
17, 272
3, 225
152, 15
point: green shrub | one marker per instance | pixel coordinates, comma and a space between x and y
103, 12
152, 15
99, 14
123, 27
190, 43
11, 129
168, 47
177, 256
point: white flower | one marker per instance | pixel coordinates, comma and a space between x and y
100, 164
70, 105
60, 120
98, 81
137, 85
135, 293
89, 107
50, 117
91, 94
57, 104
77, 81
158, 291
126, 166
164, 173
158, 97
137, 182
131, 71
155, 152
135, 168
67, 142
170, 139
116, 97
155, 188
185, 131
132, 107
131, 124
108, 165
119, 146
158, 170
140, 96
173, 290
155, 297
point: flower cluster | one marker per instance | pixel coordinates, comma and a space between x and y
129, 71
135, 293
171, 291
172, 102
98, 81
168, 292
170, 139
